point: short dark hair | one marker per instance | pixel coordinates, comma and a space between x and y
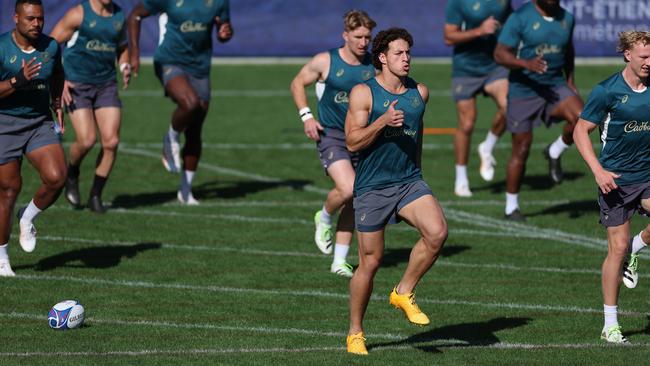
383, 38
32, 2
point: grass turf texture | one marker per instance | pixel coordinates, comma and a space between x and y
238, 280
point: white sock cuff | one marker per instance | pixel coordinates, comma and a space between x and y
341, 252
4, 253
31, 211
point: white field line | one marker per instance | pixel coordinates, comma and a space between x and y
451, 214
295, 146
226, 171
312, 294
208, 326
264, 93
506, 229
274, 253
317, 204
442, 343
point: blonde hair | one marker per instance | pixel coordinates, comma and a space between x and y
627, 40
354, 19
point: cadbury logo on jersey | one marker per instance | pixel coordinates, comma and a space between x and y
547, 49
399, 132
634, 126
189, 26
95, 45
341, 97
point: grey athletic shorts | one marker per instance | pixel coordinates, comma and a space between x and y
618, 206
524, 114
375, 209
94, 96
14, 143
332, 148
168, 72
466, 87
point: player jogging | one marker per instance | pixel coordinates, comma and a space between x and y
182, 64
618, 106
338, 70
32, 82
384, 124
96, 35
536, 44
472, 28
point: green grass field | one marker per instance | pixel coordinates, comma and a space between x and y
239, 280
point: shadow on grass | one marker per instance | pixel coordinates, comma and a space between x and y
208, 190
575, 209
394, 256
459, 335
645, 330
94, 257
530, 182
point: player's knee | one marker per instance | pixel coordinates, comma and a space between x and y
87, 143
9, 191
435, 238
345, 190
111, 143
618, 248
54, 178
190, 103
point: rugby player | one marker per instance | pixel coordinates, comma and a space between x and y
336, 71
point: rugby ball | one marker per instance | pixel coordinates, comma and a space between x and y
67, 314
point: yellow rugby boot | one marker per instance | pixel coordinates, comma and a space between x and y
357, 344
407, 304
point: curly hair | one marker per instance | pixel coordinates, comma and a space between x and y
383, 38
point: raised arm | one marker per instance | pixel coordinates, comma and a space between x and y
359, 134
133, 25
314, 70
71, 21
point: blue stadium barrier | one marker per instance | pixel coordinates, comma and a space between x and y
302, 28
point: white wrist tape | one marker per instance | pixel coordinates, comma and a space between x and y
305, 114
124, 66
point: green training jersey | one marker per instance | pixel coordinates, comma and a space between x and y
392, 159
341, 78
33, 100
532, 35
475, 58
624, 120
186, 32
89, 56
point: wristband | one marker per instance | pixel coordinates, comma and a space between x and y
124, 66
305, 114
19, 80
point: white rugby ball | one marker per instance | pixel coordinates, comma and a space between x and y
67, 314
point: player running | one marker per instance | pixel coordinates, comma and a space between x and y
384, 124
472, 28
32, 83
95, 34
337, 70
536, 44
182, 64
619, 107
